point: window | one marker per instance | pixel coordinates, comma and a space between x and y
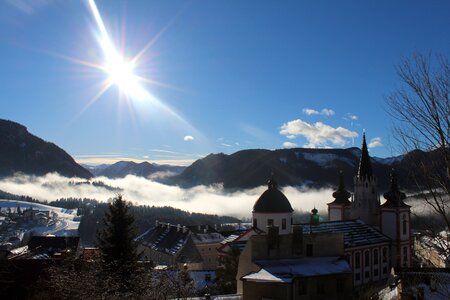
283, 223
309, 250
255, 223
375, 272
357, 260
357, 276
367, 258
375, 256
384, 255
384, 270
302, 287
320, 287
404, 225
405, 256
367, 274
270, 222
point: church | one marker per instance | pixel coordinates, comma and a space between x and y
358, 245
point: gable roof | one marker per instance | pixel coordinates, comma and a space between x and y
356, 232
165, 238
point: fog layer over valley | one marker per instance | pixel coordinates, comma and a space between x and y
203, 199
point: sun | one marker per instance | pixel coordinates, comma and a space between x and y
121, 73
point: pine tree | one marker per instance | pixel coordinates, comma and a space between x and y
117, 244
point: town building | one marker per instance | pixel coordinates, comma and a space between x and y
194, 247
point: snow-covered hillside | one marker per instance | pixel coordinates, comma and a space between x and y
66, 224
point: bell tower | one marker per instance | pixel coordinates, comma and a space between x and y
366, 201
339, 209
395, 223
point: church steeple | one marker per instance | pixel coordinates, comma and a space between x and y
341, 195
394, 197
339, 209
364, 167
366, 201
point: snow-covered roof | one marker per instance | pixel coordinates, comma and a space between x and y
206, 238
285, 270
356, 232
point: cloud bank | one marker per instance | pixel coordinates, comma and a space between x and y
142, 191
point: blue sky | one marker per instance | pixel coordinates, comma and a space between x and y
222, 75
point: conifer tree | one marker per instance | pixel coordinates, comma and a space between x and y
116, 242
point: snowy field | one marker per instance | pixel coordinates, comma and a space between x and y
65, 226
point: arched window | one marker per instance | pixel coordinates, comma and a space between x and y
357, 260
367, 258
375, 256
404, 225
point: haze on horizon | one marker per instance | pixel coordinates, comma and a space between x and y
173, 82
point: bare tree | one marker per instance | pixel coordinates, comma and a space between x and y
420, 106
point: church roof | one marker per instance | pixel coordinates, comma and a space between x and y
286, 270
364, 167
356, 232
394, 197
341, 196
272, 201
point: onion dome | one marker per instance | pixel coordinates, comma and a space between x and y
272, 200
315, 218
341, 196
394, 197
364, 167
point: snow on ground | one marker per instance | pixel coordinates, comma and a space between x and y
325, 159
65, 226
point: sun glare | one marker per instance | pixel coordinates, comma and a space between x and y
121, 73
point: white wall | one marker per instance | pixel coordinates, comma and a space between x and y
277, 218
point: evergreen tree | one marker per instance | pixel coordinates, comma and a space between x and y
117, 244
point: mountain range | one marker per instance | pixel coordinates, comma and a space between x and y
290, 167
23, 152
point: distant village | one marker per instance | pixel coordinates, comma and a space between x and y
364, 248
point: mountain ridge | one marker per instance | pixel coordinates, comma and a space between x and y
307, 167
23, 152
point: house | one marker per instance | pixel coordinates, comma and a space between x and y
179, 246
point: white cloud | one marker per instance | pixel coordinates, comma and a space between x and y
323, 112
375, 142
310, 111
226, 145
327, 112
318, 134
352, 117
291, 137
289, 145
188, 138
147, 192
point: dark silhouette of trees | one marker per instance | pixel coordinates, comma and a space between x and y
116, 242
421, 108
